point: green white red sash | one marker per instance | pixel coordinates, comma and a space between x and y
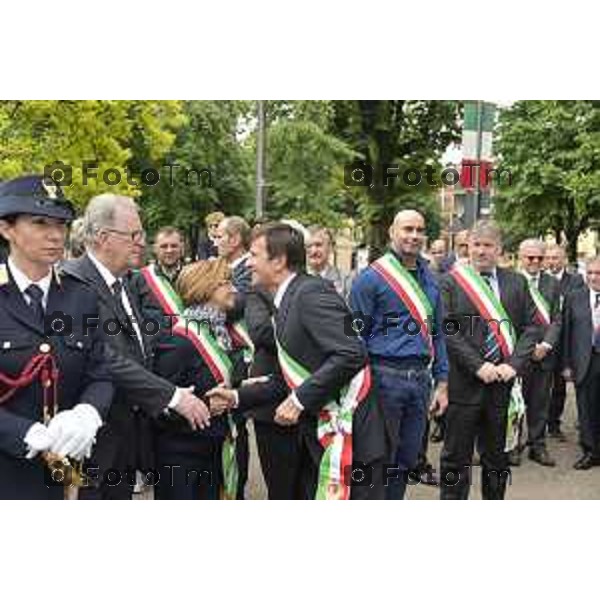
543, 308
220, 366
163, 291
334, 428
241, 338
488, 305
409, 291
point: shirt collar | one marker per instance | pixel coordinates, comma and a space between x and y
239, 260
593, 295
104, 271
560, 274
531, 278
23, 282
281, 290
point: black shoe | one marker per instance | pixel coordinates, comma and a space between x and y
585, 462
514, 458
429, 478
542, 457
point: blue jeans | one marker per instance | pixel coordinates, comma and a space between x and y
405, 395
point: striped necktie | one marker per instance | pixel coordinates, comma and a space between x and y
491, 348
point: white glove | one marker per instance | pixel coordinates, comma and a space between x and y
38, 439
74, 431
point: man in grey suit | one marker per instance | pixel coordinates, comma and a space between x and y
114, 242
581, 361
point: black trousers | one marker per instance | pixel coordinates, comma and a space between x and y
192, 474
465, 423
242, 454
557, 401
278, 451
588, 408
537, 386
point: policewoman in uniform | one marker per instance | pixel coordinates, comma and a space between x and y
55, 389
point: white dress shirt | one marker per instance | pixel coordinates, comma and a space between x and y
110, 280
23, 282
595, 312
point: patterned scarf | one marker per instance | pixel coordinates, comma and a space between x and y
214, 319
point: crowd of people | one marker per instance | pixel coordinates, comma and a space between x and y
119, 373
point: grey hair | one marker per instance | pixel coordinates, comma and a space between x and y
486, 228
101, 213
532, 242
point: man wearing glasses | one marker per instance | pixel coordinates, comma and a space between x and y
537, 382
115, 241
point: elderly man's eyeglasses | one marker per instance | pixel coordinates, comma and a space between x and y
136, 236
532, 258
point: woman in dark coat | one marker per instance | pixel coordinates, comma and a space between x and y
198, 353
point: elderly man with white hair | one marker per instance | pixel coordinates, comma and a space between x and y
114, 241
537, 382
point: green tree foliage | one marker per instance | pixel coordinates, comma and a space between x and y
410, 134
209, 144
552, 151
36, 133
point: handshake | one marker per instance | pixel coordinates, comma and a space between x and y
71, 433
490, 373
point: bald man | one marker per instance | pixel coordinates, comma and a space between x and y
537, 382
396, 299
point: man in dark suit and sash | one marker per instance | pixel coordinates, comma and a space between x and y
323, 382
537, 382
490, 334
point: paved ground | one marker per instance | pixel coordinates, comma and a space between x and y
529, 481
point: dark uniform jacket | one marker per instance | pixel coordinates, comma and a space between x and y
549, 287
84, 377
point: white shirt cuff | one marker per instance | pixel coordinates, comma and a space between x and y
295, 401
547, 345
175, 398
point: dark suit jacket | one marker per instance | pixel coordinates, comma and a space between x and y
84, 377
258, 313
577, 333
125, 436
465, 348
178, 361
550, 289
310, 326
242, 280
570, 282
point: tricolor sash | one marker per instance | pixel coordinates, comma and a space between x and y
241, 338
220, 366
491, 309
334, 428
488, 305
543, 308
400, 280
163, 291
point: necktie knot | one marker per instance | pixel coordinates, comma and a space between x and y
35, 292
597, 300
